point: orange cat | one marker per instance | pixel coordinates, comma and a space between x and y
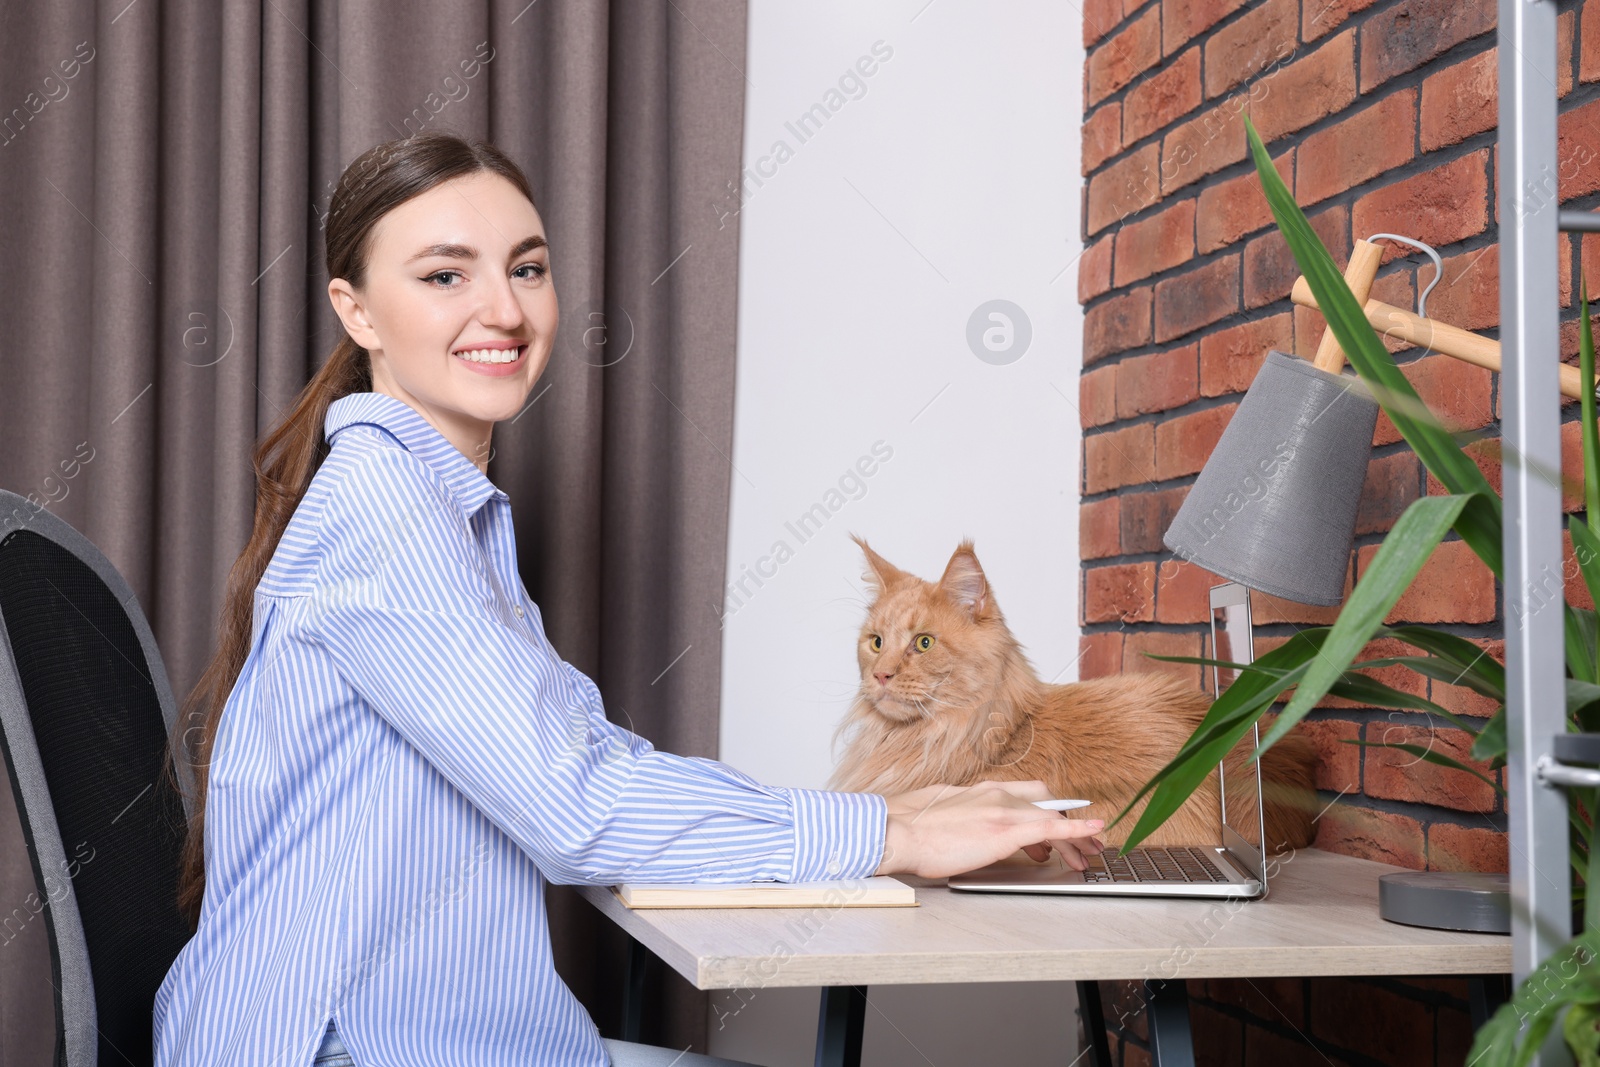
947, 695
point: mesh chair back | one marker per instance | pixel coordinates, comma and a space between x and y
85, 711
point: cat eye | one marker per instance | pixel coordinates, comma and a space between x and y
924, 642
877, 643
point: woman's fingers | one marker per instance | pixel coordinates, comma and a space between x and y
1029, 790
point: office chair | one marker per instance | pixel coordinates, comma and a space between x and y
85, 716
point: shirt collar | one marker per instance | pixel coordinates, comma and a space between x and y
470, 486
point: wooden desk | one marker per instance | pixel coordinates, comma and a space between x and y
1320, 918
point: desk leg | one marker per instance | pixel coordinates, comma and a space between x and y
1094, 1024
840, 1024
639, 959
1486, 992
1171, 1043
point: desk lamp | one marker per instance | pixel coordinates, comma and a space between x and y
1274, 509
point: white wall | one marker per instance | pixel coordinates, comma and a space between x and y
945, 179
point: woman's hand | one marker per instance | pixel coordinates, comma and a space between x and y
949, 829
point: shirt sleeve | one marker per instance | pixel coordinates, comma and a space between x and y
407, 609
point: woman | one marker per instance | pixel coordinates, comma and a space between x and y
393, 759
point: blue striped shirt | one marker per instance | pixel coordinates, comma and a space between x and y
403, 763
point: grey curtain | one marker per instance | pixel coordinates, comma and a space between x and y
164, 167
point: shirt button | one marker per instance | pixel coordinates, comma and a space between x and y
518, 610
833, 865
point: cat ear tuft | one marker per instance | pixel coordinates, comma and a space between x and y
880, 572
964, 582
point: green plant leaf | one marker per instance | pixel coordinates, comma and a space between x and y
1491, 742
1537, 1003
1422, 752
1478, 523
1578, 634
1403, 552
1480, 671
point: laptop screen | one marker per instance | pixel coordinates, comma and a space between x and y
1232, 640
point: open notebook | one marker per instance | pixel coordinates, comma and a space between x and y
878, 891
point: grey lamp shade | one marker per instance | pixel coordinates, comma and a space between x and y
1275, 506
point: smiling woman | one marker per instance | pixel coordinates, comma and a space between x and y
458, 318
392, 761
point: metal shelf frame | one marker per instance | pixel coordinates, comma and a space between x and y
1530, 221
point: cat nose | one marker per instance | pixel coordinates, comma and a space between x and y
883, 679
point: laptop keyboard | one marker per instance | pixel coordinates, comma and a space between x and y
1154, 865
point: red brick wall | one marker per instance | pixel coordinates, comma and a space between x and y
1380, 115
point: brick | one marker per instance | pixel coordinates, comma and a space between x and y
1100, 528
1122, 592
1145, 517
1577, 149
1125, 188
1460, 699
1155, 642
1371, 835
1100, 655
1097, 397
1196, 298
1266, 1048
1469, 296
1163, 97
1453, 586
1401, 678
1094, 270
1467, 848
1455, 1034
1183, 444
1589, 47
1229, 210
1393, 482
1230, 359
1218, 1038
1124, 57
1121, 457
1338, 764
1100, 17
1270, 268
1182, 20
1117, 324
1203, 145
1264, 35
1160, 381
1485, 455
1439, 206
1456, 393
1305, 90
1358, 149
1577, 590
1102, 137
1460, 101
1265, 608
1572, 466
1391, 774
1154, 244
1406, 36
1318, 18
1183, 592
1371, 1020
1267, 998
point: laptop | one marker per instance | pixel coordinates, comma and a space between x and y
1233, 867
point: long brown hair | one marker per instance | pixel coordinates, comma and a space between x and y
378, 181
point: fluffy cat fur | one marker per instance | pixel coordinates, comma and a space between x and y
970, 708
